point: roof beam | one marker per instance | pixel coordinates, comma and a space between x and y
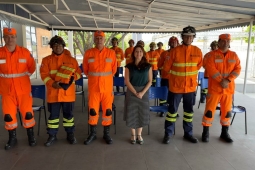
53, 15
67, 7
119, 30
92, 14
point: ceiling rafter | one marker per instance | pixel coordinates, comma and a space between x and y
67, 7
53, 15
92, 14
19, 5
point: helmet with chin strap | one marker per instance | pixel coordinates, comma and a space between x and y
189, 30
56, 40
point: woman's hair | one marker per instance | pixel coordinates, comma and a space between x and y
143, 63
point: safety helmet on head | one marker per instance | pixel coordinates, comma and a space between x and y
140, 42
214, 43
189, 30
115, 39
56, 40
172, 39
159, 43
152, 44
131, 40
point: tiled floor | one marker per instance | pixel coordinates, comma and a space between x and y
153, 155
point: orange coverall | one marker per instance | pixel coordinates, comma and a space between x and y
49, 68
207, 55
128, 53
183, 70
15, 86
153, 59
100, 66
119, 55
160, 51
161, 61
220, 66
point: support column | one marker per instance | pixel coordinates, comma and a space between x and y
70, 42
248, 56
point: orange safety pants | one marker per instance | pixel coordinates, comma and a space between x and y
212, 101
11, 104
106, 100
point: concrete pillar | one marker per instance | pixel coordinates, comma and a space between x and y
70, 42
54, 32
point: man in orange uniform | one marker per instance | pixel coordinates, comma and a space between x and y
153, 60
129, 51
141, 43
100, 64
173, 42
119, 56
214, 46
160, 50
223, 67
16, 66
59, 71
182, 65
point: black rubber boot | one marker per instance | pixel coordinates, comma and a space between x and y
12, 140
50, 140
70, 138
225, 135
166, 139
205, 134
92, 136
31, 137
190, 138
106, 136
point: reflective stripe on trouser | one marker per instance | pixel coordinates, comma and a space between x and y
154, 76
22, 103
106, 100
68, 119
163, 82
174, 101
212, 101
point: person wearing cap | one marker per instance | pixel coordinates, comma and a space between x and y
16, 66
58, 72
119, 56
182, 65
160, 50
153, 57
223, 67
128, 51
173, 42
100, 65
214, 46
141, 43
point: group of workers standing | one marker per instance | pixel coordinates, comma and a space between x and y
178, 68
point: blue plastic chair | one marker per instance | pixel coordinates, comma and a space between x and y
119, 81
199, 78
38, 91
79, 83
121, 71
204, 84
156, 93
239, 109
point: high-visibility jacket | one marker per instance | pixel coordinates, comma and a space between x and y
207, 55
119, 55
153, 59
15, 70
64, 73
100, 67
218, 67
128, 53
160, 51
182, 66
49, 68
161, 61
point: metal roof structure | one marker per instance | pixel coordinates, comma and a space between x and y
140, 16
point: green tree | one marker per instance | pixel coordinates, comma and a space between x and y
83, 41
252, 38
